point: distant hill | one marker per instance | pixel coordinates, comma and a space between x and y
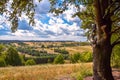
36, 41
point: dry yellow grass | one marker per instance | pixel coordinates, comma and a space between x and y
79, 49
39, 72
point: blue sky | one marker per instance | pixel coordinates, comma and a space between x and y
47, 26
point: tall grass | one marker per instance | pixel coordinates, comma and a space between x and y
41, 72
84, 72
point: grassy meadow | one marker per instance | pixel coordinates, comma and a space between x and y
46, 72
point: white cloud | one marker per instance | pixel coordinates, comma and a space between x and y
53, 29
23, 33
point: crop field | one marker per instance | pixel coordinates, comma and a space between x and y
43, 72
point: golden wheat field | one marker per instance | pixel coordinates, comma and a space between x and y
41, 72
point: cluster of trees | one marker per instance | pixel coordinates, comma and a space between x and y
31, 51
9, 57
62, 51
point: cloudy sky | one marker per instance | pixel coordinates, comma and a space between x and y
47, 26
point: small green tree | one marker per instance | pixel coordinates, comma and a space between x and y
12, 57
1, 48
59, 59
2, 62
30, 62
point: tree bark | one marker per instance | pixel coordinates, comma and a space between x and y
101, 61
102, 48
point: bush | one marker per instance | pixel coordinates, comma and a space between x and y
86, 57
81, 57
22, 57
30, 62
59, 59
116, 57
75, 57
2, 62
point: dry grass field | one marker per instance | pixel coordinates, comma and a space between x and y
78, 49
42, 72
72, 50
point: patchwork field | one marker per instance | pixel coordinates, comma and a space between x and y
71, 47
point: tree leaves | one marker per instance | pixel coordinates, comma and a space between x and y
16, 9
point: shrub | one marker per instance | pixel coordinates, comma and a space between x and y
22, 57
2, 62
59, 59
81, 57
116, 57
75, 57
86, 57
30, 62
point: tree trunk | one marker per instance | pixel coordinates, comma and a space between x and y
101, 62
102, 51
102, 48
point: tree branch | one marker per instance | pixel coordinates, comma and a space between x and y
115, 30
109, 7
116, 42
116, 19
112, 13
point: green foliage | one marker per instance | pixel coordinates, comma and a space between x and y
2, 62
86, 57
2, 48
59, 59
18, 8
31, 51
75, 57
30, 62
81, 57
12, 57
116, 56
22, 57
62, 51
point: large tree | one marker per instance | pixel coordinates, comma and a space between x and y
102, 17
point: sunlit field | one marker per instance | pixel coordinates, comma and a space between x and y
44, 72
